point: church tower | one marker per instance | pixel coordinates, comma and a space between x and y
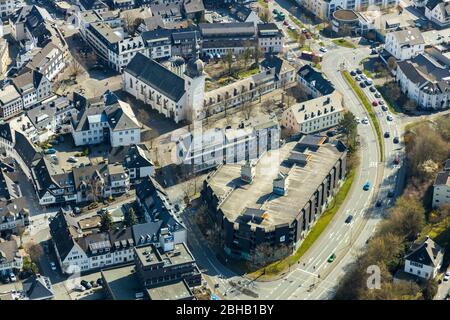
194, 82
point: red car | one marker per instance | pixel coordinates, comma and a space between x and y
397, 160
308, 36
374, 103
286, 23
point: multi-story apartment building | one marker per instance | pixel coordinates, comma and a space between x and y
33, 86
405, 44
112, 45
314, 115
270, 38
13, 214
199, 151
276, 200
10, 258
78, 251
424, 259
7, 7
49, 61
325, 8
314, 82
219, 38
110, 120
11, 102
441, 186
426, 80
438, 11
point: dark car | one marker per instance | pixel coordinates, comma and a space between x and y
349, 219
86, 284
390, 194
362, 84
331, 133
377, 95
372, 89
396, 140
358, 71
353, 73
100, 281
384, 108
387, 134
378, 203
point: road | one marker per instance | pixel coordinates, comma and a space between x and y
314, 277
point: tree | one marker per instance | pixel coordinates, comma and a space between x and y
130, 217
30, 266
393, 90
430, 289
301, 40
20, 231
247, 108
265, 15
410, 105
406, 218
229, 60
35, 251
106, 222
348, 126
392, 63
75, 69
246, 55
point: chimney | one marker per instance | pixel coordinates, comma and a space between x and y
280, 184
248, 171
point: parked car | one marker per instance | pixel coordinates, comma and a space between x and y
358, 71
357, 78
375, 103
384, 108
72, 159
362, 85
50, 151
331, 258
396, 140
372, 89
378, 203
323, 49
377, 95
387, 134
353, 73
53, 266
446, 276
76, 210
368, 82
93, 284
381, 102
331, 133
389, 118
79, 287
100, 281
86, 284
365, 120
397, 160
366, 186
349, 219
390, 194
12, 277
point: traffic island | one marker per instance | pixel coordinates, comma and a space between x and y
365, 102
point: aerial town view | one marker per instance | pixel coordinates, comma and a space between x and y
224, 150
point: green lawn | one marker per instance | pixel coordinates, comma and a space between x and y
280, 266
344, 43
387, 99
365, 102
296, 21
248, 73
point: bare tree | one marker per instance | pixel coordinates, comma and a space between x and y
247, 109
229, 61
265, 15
75, 69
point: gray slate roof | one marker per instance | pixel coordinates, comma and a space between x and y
158, 77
